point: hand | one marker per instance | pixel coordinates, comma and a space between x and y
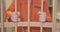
42, 16
14, 16
8, 14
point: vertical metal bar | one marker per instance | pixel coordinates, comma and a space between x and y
42, 5
8, 29
22, 29
15, 27
54, 15
41, 29
16, 11
29, 15
15, 5
2, 15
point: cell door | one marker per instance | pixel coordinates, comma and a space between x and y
24, 23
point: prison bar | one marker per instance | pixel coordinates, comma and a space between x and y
36, 24
41, 29
32, 24
29, 1
16, 23
54, 15
2, 23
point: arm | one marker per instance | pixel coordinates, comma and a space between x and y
46, 9
9, 11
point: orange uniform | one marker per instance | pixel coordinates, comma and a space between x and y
22, 7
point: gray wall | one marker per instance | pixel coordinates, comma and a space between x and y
58, 6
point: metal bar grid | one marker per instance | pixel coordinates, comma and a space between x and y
18, 23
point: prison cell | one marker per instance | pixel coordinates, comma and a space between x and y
44, 27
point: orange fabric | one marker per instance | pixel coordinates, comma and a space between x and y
8, 14
32, 29
23, 9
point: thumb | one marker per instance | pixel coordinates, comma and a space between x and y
8, 14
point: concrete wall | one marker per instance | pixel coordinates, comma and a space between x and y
8, 2
58, 5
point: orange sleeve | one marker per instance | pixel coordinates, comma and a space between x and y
9, 10
12, 6
46, 9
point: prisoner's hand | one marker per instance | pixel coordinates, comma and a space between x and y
42, 16
14, 16
8, 14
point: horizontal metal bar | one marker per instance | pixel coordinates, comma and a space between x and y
32, 24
